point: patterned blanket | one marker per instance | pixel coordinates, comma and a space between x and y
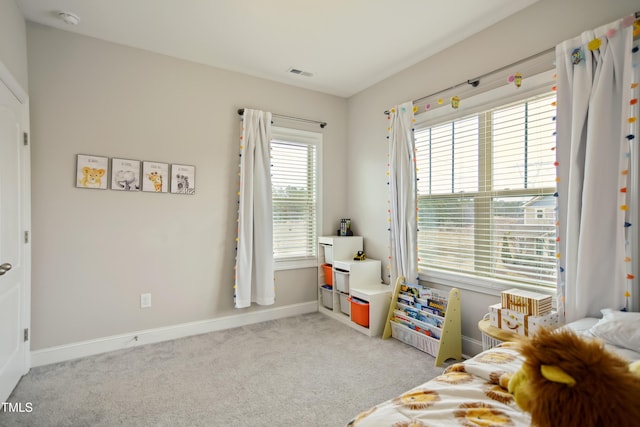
471, 394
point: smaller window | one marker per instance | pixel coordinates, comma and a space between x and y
295, 165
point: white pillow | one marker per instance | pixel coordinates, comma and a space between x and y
620, 328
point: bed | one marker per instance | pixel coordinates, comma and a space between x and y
473, 393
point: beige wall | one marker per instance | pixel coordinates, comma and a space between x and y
535, 29
96, 251
13, 42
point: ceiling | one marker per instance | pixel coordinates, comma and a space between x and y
347, 45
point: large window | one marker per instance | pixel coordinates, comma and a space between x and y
295, 189
486, 205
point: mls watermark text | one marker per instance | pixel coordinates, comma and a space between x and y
19, 407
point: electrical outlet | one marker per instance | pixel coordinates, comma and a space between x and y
145, 300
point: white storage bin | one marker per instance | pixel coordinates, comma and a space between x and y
342, 280
360, 273
339, 247
345, 306
328, 253
327, 296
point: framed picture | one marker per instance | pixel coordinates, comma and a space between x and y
155, 177
125, 174
183, 179
92, 171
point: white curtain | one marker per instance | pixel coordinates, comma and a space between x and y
402, 195
594, 77
254, 258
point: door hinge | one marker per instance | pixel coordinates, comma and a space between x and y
26, 334
26, 237
25, 137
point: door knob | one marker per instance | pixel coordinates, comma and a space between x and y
4, 268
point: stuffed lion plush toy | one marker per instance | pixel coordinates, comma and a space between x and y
568, 381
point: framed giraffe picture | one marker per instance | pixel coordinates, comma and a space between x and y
183, 179
155, 177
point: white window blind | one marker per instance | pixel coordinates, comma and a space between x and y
486, 184
294, 168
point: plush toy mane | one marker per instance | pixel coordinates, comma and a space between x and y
605, 392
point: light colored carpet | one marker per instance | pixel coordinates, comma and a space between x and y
307, 370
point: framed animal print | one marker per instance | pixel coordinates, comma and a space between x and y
125, 174
155, 177
92, 171
183, 179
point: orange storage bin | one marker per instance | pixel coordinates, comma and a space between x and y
328, 274
359, 311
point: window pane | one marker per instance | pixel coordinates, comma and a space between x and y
485, 194
522, 142
441, 160
449, 153
294, 199
541, 140
446, 229
465, 155
523, 246
509, 148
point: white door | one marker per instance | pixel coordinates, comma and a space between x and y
14, 251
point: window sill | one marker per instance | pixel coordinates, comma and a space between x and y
295, 264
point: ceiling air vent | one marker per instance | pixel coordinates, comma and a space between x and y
300, 72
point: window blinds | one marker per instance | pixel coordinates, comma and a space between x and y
294, 189
486, 185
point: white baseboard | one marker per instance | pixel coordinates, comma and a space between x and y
471, 346
66, 352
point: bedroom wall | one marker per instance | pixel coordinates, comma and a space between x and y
535, 29
13, 42
96, 251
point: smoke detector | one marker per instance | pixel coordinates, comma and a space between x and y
69, 18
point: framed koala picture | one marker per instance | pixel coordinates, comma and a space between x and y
183, 179
155, 177
92, 171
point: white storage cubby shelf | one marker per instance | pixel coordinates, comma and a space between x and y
350, 278
427, 319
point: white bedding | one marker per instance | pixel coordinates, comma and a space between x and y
583, 327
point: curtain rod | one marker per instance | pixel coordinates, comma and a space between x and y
476, 81
322, 124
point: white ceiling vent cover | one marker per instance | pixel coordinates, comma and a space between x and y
299, 72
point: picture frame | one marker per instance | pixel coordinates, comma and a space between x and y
125, 174
155, 177
92, 171
183, 179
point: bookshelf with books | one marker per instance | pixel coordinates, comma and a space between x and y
426, 318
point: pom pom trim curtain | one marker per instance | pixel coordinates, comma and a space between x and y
402, 195
594, 80
254, 270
